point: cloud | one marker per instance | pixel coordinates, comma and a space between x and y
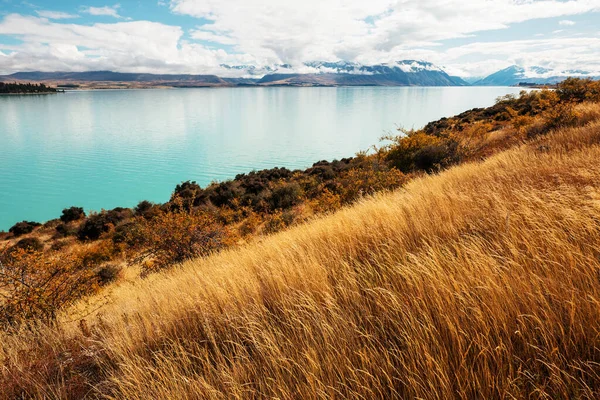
269, 32
358, 30
566, 22
136, 46
55, 14
208, 36
556, 54
106, 11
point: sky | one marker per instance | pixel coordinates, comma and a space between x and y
465, 37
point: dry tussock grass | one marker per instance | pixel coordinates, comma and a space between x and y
481, 282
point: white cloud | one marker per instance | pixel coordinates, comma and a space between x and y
137, 46
556, 54
55, 14
209, 36
358, 30
566, 22
106, 11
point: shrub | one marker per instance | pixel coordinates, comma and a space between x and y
172, 238
29, 244
223, 193
433, 157
274, 223
142, 207
97, 224
401, 154
189, 193
59, 245
187, 190
35, 287
250, 224
126, 233
361, 182
323, 170
72, 214
561, 116
326, 202
108, 273
285, 196
578, 90
97, 254
65, 230
23, 227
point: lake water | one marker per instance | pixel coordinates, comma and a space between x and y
103, 149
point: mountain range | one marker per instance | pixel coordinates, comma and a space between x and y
515, 75
319, 73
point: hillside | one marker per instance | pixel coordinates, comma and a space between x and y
477, 282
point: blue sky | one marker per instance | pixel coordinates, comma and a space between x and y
466, 37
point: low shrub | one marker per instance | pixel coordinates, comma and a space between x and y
65, 230
72, 214
23, 228
98, 224
108, 274
174, 237
578, 90
285, 196
36, 287
29, 244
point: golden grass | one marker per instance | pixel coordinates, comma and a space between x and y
482, 282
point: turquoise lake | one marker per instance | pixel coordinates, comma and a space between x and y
103, 149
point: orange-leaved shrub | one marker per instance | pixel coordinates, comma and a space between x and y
34, 286
173, 237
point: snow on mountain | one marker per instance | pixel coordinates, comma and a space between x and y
515, 74
335, 67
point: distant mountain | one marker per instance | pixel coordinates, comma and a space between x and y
515, 74
341, 73
109, 76
472, 79
400, 73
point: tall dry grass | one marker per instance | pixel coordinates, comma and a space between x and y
481, 282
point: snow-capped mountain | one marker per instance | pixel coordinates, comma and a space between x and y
399, 73
408, 66
515, 74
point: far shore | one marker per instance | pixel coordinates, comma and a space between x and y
30, 94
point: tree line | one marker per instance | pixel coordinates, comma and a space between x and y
23, 88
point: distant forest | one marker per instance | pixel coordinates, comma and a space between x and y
25, 88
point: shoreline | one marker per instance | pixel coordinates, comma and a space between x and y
30, 94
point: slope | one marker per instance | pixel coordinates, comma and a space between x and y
480, 282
